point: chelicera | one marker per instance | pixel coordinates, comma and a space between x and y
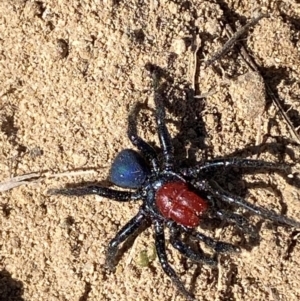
175, 198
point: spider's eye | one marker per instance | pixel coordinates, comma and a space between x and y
129, 169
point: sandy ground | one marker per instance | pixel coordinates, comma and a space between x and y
70, 71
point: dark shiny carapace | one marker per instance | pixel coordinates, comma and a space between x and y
177, 202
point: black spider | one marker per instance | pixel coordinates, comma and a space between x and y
176, 198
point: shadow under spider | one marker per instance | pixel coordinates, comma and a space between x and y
10, 288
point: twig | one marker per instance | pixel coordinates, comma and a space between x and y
18, 181
34, 177
232, 41
252, 65
70, 173
219, 283
197, 46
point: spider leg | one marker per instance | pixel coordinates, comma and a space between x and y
146, 149
163, 133
162, 256
214, 165
132, 226
217, 246
227, 197
242, 223
186, 250
118, 195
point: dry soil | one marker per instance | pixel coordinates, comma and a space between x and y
69, 73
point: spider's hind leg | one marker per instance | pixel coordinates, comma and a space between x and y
241, 222
162, 256
130, 228
217, 246
186, 250
227, 197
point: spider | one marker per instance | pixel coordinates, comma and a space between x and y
174, 198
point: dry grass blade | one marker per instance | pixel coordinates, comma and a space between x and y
232, 41
18, 181
34, 177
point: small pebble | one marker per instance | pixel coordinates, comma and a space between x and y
179, 46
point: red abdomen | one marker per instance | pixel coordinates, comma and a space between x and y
177, 202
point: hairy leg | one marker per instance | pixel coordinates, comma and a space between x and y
215, 165
163, 133
162, 256
186, 250
146, 149
242, 223
118, 195
132, 226
227, 197
217, 246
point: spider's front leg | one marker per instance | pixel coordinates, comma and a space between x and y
145, 148
163, 133
118, 195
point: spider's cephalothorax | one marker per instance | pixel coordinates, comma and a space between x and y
174, 198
